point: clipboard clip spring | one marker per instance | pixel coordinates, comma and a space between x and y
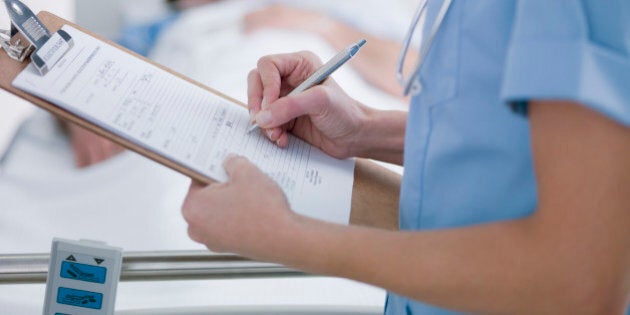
45, 48
17, 51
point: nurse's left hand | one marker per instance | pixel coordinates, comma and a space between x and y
247, 215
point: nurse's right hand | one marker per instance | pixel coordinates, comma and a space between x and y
324, 115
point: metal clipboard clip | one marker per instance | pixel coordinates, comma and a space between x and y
45, 49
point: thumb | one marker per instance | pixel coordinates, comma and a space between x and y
239, 168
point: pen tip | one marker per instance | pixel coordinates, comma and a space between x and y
252, 128
352, 50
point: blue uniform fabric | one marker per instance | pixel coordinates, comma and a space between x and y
141, 38
467, 154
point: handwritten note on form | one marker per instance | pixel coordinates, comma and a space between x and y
197, 128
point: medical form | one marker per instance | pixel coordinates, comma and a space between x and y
172, 117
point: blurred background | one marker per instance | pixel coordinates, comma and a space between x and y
131, 202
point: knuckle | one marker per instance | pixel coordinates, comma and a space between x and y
307, 54
216, 244
190, 210
253, 77
265, 60
310, 57
253, 74
188, 213
193, 235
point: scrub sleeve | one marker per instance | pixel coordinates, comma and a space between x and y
571, 50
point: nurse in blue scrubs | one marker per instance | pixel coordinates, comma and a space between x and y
516, 153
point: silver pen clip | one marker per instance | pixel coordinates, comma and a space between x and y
47, 49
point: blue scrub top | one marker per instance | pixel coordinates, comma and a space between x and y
467, 153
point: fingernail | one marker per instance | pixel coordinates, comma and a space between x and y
263, 103
264, 118
269, 134
252, 116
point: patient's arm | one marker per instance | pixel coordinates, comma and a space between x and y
378, 59
89, 148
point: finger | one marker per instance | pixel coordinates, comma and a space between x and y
305, 63
310, 102
273, 134
194, 235
271, 71
285, 69
283, 140
239, 168
254, 93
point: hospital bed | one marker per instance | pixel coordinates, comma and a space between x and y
43, 196
181, 265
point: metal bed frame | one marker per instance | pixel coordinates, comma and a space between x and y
152, 266
181, 265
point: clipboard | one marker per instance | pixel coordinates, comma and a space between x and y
374, 194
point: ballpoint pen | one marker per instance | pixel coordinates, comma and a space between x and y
324, 72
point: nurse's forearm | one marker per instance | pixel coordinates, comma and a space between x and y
492, 269
382, 136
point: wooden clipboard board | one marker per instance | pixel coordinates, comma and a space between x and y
375, 192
